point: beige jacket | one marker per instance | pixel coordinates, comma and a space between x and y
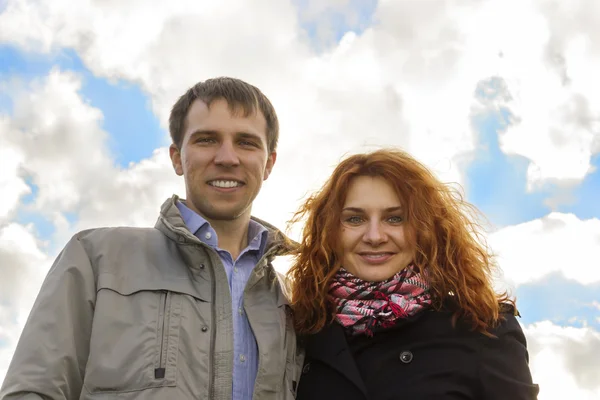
136, 313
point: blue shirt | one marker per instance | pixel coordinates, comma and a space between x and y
245, 358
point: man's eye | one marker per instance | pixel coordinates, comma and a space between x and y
205, 140
247, 143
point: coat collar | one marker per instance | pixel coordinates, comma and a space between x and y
331, 347
173, 226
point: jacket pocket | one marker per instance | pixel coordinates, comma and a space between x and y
167, 332
135, 340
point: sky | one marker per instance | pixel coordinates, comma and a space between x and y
497, 97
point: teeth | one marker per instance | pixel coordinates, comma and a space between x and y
380, 255
225, 184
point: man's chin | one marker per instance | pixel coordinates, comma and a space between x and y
227, 215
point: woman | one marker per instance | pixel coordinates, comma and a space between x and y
392, 292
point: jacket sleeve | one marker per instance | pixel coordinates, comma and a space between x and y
504, 364
50, 358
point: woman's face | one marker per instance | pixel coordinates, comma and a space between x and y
372, 230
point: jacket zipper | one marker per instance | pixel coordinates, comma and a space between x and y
160, 372
261, 261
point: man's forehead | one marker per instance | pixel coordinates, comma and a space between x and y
234, 108
221, 108
219, 118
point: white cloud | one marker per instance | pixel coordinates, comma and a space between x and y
23, 263
12, 184
140, 190
357, 94
555, 243
58, 134
548, 61
409, 80
564, 361
21, 258
63, 150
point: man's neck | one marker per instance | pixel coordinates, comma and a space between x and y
233, 235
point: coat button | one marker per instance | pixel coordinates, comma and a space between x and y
406, 356
201, 266
306, 368
204, 328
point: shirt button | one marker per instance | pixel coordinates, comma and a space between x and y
406, 356
242, 358
240, 311
208, 235
235, 269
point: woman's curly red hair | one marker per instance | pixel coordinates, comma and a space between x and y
441, 226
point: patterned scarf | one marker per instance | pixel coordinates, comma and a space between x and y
362, 306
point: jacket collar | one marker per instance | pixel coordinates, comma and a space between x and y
330, 346
171, 224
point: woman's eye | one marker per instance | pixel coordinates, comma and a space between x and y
395, 219
354, 220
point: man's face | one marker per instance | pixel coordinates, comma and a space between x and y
223, 158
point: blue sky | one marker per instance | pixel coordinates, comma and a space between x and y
559, 300
496, 182
586, 195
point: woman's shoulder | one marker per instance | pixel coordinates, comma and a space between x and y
506, 323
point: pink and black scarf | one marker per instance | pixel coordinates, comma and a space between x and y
362, 306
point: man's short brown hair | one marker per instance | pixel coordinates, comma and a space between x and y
240, 97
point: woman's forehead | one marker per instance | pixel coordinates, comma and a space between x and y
371, 192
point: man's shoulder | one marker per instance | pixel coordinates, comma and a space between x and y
125, 251
115, 232
117, 237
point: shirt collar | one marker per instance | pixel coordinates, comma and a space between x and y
257, 237
192, 220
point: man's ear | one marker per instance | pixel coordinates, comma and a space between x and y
175, 154
270, 163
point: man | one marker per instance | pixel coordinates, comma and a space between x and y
191, 309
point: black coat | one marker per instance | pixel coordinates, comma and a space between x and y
423, 358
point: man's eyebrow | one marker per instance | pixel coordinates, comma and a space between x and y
213, 132
248, 135
207, 132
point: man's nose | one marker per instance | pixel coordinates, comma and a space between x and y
226, 155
